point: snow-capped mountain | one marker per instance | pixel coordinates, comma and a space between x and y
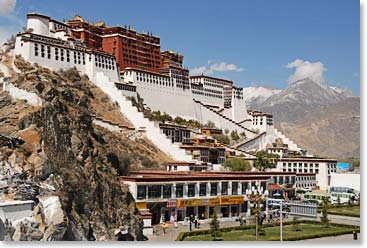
315, 115
305, 93
257, 95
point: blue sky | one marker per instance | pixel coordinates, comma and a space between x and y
264, 43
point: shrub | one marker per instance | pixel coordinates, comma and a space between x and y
324, 218
214, 227
237, 164
224, 139
234, 136
183, 235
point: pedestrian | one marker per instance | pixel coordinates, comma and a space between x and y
196, 221
164, 227
270, 218
198, 224
241, 221
190, 224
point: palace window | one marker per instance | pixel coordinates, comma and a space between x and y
42, 51
167, 191
56, 53
234, 188
191, 190
224, 188
263, 185
213, 188
202, 191
154, 191
62, 54
179, 190
142, 192
35, 49
280, 180
244, 187
48, 52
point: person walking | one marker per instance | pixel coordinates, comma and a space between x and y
196, 221
241, 220
164, 227
190, 224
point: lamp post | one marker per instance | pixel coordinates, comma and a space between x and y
256, 200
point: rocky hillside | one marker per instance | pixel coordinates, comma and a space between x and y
69, 163
316, 116
332, 130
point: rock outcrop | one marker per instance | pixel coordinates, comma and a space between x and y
69, 166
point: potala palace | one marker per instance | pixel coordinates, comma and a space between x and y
126, 65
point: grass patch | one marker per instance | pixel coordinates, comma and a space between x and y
353, 211
305, 230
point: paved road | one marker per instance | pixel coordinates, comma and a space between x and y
346, 238
340, 219
172, 233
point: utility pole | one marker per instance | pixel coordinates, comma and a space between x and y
281, 220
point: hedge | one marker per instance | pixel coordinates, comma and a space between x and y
183, 235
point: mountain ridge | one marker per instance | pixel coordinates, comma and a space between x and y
315, 109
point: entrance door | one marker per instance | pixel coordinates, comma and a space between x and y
202, 213
234, 210
156, 215
180, 215
190, 211
167, 215
225, 211
211, 212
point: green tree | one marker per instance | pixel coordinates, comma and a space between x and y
224, 139
214, 227
210, 124
237, 164
234, 135
324, 214
178, 120
265, 161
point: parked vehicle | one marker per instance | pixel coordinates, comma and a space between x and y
343, 197
316, 197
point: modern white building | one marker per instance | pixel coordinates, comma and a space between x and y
322, 167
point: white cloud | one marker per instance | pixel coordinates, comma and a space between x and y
211, 68
7, 7
304, 69
5, 34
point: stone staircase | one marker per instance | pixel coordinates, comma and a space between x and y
291, 145
153, 132
225, 118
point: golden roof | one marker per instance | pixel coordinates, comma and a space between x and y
101, 24
78, 18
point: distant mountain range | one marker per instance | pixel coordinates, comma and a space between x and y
320, 118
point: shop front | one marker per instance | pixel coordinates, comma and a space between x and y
157, 209
230, 205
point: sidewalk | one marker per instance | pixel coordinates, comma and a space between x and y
172, 233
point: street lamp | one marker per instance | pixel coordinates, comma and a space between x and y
256, 200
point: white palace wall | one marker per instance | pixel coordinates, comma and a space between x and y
84, 61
